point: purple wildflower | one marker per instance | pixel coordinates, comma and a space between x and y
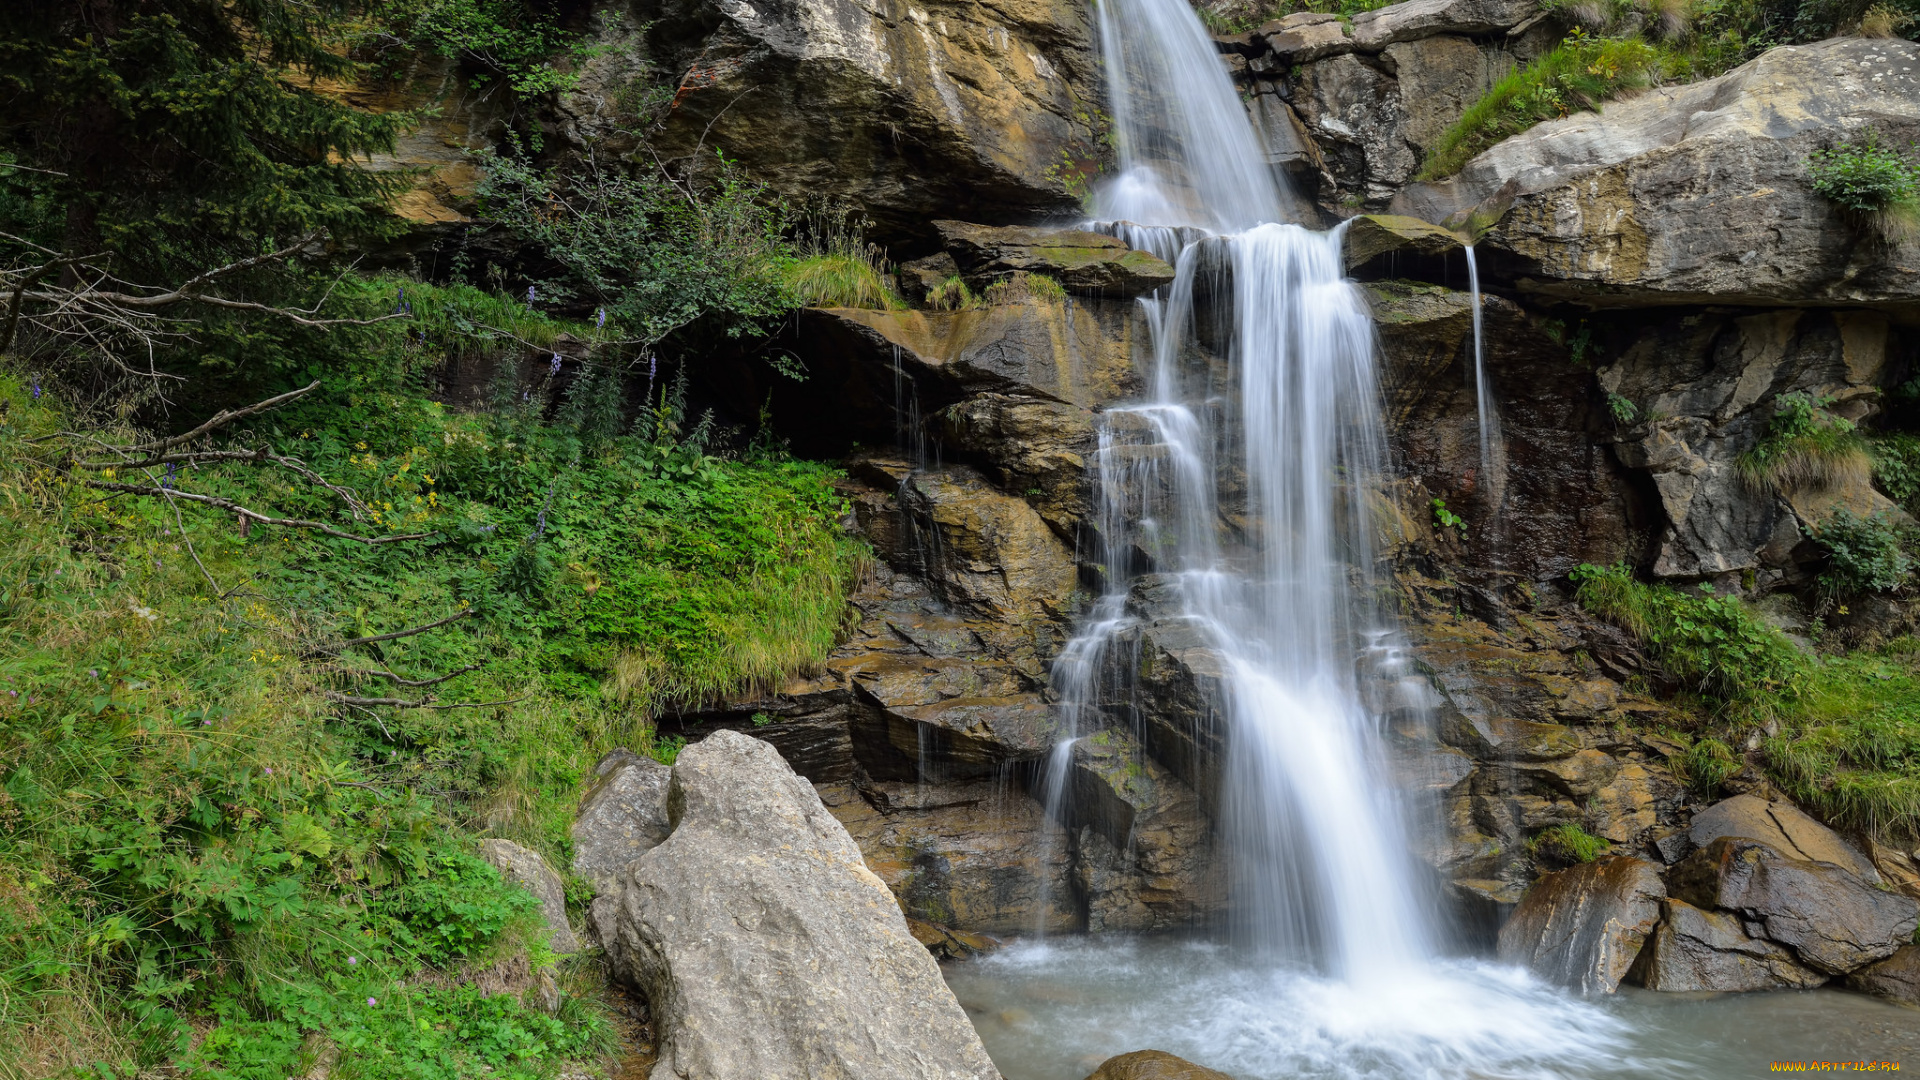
36, 389
269, 770
371, 1002
94, 672
600, 317
555, 369
529, 298
352, 961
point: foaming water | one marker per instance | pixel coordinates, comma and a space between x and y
1054, 1010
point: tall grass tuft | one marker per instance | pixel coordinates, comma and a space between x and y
837, 267
1021, 286
1805, 446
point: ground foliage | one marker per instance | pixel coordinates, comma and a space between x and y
205, 834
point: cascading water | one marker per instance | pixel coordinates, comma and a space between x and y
1341, 976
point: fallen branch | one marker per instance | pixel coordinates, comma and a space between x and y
264, 519
371, 638
423, 703
414, 682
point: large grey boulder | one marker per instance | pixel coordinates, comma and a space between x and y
1584, 927
622, 817
1416, 19
765, 947
1709, 950
1700, 193
531, 872
1832, 919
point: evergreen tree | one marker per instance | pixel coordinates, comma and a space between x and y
174, 133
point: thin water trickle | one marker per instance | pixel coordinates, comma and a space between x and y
1490, 477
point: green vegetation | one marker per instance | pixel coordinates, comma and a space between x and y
1622, 409
1806, 446
1864, 554
1567, 845
1841, 733
214, 824
1447, 519
1709, 644
1896, 466
493, 40
952, 295
1864, 176
839, 281
1021, 286
1580, 74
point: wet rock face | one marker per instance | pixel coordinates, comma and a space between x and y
1702, 388
1833, 920
1699, 193
912, 112
1584, 927
1897, 978
764, 945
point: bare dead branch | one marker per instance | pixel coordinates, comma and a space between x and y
383, 674
264, 519
395, 635
423, 703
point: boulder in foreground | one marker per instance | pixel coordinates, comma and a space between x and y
765, 947
1584, 927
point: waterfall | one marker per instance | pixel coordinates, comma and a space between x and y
1321, 870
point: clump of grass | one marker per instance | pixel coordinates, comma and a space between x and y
1705, 767
952, 295
1021, 286
1567, 845
1870, 182
1709, 644
839, 280
1580, 74
1806, 446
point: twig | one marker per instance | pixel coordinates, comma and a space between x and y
264, 519
423, 703
415, 682
371, 638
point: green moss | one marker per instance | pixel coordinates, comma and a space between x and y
1566, 845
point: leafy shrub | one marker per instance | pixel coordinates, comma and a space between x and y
1896, 466
1708, 643
1864, 554
1568, 844
1622, 409
1864, 177
1579, 74
505, 40
1806, 446
455, 910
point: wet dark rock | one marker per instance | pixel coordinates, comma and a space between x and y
1584, 927
971, 857
1386, 239
1833, 920
1153, 1065
1080, 261
1694, 949
764, 945
1145, 847
1897, 978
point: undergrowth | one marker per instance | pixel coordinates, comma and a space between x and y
210, 857
1840, 734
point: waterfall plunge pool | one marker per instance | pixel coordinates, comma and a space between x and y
1055, 1009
